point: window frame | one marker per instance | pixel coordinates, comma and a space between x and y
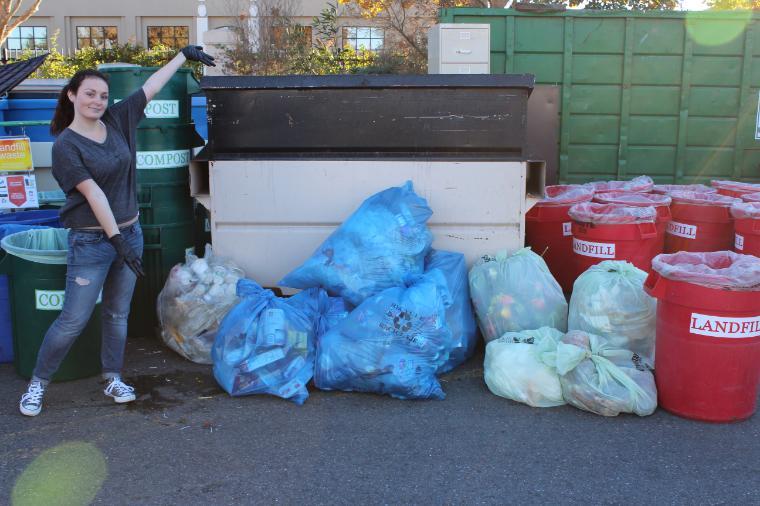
175, 37
91, 37
34, 38
349, 42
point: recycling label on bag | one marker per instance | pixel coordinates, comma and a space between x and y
682, 230
723, 326
594, 249
52, 300
739, 242
567, 229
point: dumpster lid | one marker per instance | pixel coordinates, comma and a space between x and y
526, 81
11, 74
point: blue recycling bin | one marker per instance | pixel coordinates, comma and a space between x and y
10, 223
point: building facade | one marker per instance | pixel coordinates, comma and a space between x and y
75, 24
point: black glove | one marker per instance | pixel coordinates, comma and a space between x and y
126, 255
195, 53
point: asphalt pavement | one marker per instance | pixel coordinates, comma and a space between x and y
186, 442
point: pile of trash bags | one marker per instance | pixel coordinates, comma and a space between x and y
380, 311
195, 298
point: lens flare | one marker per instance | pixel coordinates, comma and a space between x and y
717, 29
68, 474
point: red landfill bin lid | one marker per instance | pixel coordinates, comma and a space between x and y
667, 188
633, 199
565, 195
746, 210
612, 214
716, 269
735, 186
637, 184
751, 197
703, 199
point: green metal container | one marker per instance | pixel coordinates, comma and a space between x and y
165, 247
170, 106
166, 146
37, 293
670, 94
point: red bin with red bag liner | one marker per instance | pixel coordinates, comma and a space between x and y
735, 188
708, 334
641, 184
613, 232
548, 230
660, 202
751, 197
701, 222
746, 228
666, 189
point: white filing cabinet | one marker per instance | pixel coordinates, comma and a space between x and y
459, 48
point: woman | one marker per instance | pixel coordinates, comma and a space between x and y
94, 162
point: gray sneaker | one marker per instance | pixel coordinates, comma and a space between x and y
120, 391
31, 401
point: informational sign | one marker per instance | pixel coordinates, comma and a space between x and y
15, 154
18, 192
723, 326
163, 159
160, 109
52, 300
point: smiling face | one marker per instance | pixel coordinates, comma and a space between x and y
91, 99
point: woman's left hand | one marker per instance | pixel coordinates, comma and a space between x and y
195, 53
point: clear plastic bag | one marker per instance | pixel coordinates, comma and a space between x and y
703, 199
737, 186
609, 301
565, 195
717, 269
521, 366
381, 245
665, 189
459, 316
746, 210
632, 199
637, 184
393, 343
613, 214
195, 298
599, 378
751, 197
265, 344
515, 292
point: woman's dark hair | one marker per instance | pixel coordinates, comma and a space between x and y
64, 109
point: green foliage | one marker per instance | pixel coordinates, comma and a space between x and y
733, 4
60, 66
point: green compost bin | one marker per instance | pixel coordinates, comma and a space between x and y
36, 266
673, 95
170, 106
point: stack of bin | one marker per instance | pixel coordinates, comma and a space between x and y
165, 139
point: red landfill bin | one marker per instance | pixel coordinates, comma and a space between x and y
665, 189
660, 202
613, 232
735, 188
641, 184
701, 222
746, 228
751, 197
708, 334
548, 232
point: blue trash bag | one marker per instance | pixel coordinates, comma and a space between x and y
393, 343
265, 344
459, 316
381, 245
328, 311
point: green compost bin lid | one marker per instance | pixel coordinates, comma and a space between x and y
42, 246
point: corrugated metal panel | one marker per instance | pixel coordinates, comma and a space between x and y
670, 94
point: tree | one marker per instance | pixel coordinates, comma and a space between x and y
733, 4
9, 17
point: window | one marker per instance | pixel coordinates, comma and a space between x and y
363, 37
28, 37
172, 36
99, 37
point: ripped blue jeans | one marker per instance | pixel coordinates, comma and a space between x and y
90, 268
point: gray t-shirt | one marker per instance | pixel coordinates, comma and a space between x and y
111, 164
